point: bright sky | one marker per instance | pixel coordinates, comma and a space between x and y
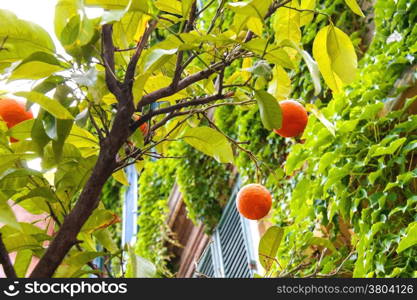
40, 12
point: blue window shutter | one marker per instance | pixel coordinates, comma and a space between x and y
232, 249
205, 267
129, 226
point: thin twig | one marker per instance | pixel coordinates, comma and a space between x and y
130, 71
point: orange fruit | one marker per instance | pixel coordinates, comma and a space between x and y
144, 127
253, 201
294, 119
13, 112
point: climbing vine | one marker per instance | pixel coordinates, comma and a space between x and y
155, 184
204, 184
351, 193
345, 192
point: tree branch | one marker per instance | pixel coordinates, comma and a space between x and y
106, 163
107, 55
130, 71
172, 108
182, 84
89, 199
5, 261
204, 74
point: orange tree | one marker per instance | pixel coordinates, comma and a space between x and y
162, 63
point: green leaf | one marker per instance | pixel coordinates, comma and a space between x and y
137, 138
210, 142
169, 6
269, 109
63, 128
296, 158
389, 150
129, 28
353, 5
87, 31
20, 241
74, 263
138, 7
7, 216
37, 65
19, 38
64, 11
272, 53
319, 115
139, 267
108, 4
48, 104
268, 246
253, 8
39, 192
22, 131
326, 160
73, 28
39, 136
22, 262
410, 239
100, 219
82, 138
156, 58
319, 241
105, 238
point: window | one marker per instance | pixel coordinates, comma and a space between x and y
231, 253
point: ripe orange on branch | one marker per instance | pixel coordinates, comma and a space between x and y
253, 201
144, 127
294, 119
13, 112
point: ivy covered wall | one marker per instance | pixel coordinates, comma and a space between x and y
353, 191
347, 185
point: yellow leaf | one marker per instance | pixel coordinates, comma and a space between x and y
319, 115
342, 54
109, 99
141, 27
353, 5
287, 23
255, 24
186, 6
138, 87
139, 165
160, 81
280, 85
169, 6
120, 176
324, 62
307, 16
246, 64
